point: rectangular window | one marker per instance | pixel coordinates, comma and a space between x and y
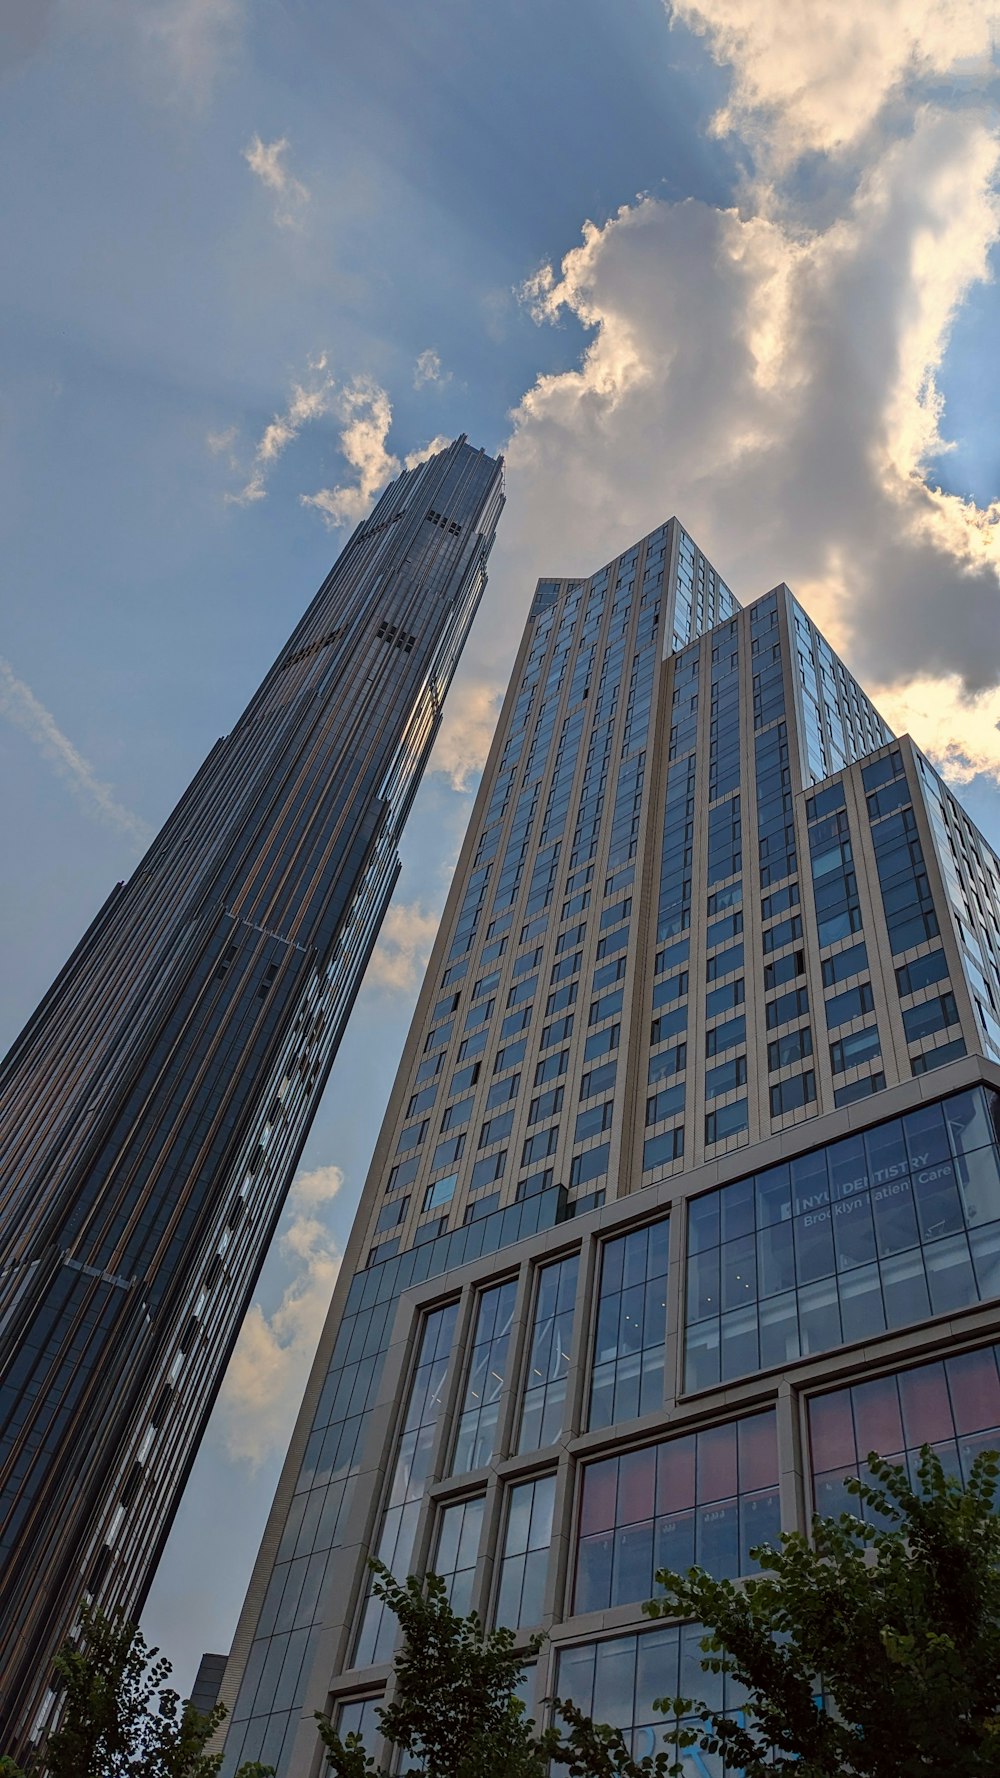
551, 1067
591, 1165
788, 897
860, 1046
543, 1400
403, 1173
515, 1022
845, 964
486, 984
784, 933
791, 1095
609, 973
858, 1089
630, 1331
545, 1105
601, 1042
795, 1046
422, 1101
524, 1564
936, 1058
412, 1137
557, 1032
564, 968
464, 1077
666, 1064
487, 1170
606, 1007
502, 1091
523, 990
724, 962
658, 1151
724, 999
726, 1120
673, 987
560, 998
441, 1191
726, 1037
391, 1215
473, 1046
570, 937
730, 926
527, 961
669, 1024
931, 1015
668, 1102
511, 1053
542, 1143
496, 1127
613, 916
705, 1499
921, 974
456, 1116
429, 1068
787, 1006
726, 1077
457, 1551
448, 1151
851, 1004
784, 969
594, 1121
475, 1440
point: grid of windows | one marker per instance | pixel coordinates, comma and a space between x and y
884, 1228
617, 1681
953, 1405
523, 1566
627, 1377
377, 1635
708, 1498
457, 1549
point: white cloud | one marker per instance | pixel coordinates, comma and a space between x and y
428, 369
21, 707
305, 404
470, 717
768, 373
267, 1372
267, 161
366, 411
814, 76
186, 44
404, 945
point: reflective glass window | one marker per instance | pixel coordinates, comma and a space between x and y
544, 1396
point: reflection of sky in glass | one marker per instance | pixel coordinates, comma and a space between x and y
879, 1230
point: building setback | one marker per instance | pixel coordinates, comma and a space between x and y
153, 1110
688, 1191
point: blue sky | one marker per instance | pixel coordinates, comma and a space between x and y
726, 260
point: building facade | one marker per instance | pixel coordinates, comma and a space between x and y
688, 1192
153, 1110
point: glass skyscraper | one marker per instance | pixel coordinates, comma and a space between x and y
153, 1110
688, 1191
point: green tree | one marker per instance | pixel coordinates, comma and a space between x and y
455, 1710
871, 1649
119, 1718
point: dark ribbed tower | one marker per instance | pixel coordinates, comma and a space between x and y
154, 1108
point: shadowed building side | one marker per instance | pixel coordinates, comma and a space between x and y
154, 1109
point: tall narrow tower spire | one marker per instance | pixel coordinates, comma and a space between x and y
154, 1108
